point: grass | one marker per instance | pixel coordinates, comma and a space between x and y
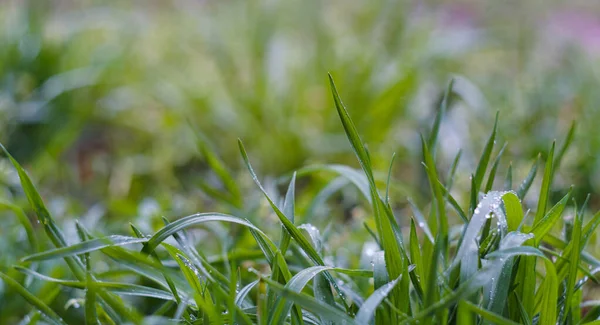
466, 257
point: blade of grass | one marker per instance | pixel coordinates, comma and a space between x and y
48, 313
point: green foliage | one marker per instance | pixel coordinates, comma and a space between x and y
491, 266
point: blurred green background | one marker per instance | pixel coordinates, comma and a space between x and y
104, 103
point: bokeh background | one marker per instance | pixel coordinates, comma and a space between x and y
106, 103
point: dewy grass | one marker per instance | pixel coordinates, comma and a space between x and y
500, 266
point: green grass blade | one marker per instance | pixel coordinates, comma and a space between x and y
85, 247
452, 173
514, 210
573, 257
526, 184
386, 225
545, 189
289, 226
492, 175
441, 224
367, 310
195, 219
48, 313
423, 224
543, 226
565, 146
492, 317
484, 160
24, 220
433, 136
309, 303
288, 211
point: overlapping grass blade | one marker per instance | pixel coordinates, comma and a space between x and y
290, 227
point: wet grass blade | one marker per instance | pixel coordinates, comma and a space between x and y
195, 219
85, 247
289, 226
369, 307
390, 241
48, 313
308, 302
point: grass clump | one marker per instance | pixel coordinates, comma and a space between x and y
480, 261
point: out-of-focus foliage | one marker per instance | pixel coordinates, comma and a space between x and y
125, 111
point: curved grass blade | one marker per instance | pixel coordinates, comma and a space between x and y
115, 287
196, 219
296, 284
243, 293
24, 221
58, 240
367, 310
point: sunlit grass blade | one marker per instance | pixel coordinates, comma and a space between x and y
514, 210
48, 313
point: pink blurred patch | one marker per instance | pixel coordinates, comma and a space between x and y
575, 28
